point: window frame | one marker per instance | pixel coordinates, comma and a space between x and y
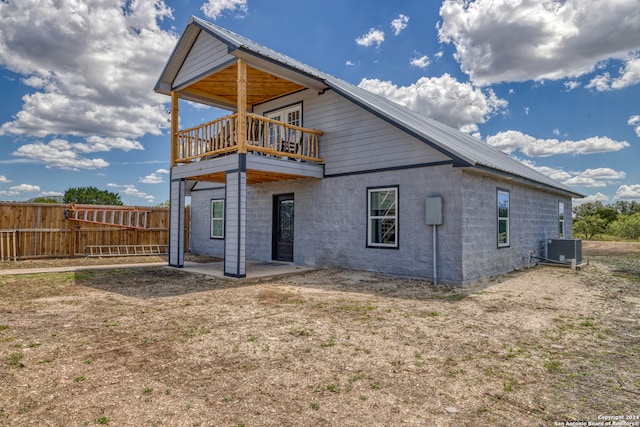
395, 217
501, 219
282, 112
222, 219
276, 134
561, 222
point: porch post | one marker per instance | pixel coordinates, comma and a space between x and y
235, 220
176, 223
241, 127
174, 127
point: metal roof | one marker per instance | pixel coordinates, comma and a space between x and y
464, 149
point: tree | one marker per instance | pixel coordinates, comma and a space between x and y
164, 204
627, 208
593, 218
627, 226
91, 196
44, 200
590, 225
586, 209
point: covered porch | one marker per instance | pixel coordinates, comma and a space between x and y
236, 150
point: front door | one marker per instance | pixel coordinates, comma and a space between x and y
283, 216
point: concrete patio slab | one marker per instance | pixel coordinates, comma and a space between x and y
255, 269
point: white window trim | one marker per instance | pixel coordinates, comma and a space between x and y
370, 218
217, 219
505, 219
281, 114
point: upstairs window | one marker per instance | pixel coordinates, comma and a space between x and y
217, 219
382, 221
503, 218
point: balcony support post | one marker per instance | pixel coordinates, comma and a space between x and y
174, 127
236, 219
241, 125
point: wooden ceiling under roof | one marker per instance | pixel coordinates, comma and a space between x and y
261, 86
253, 177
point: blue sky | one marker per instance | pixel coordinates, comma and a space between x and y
549, 82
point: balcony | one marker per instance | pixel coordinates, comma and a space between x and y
263, 136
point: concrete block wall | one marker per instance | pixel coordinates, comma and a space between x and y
331, 222
533, 219
201, 241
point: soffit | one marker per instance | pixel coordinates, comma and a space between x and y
222, 86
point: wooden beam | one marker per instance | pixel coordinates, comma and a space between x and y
174, 127
241, 126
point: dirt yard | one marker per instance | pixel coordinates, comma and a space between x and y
160, 347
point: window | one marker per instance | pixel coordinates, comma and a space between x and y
382, 225
503, 218
561, 220
217, 219
281, 138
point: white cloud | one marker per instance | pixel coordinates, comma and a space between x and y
51, 194
93, 66
96, 144
154, 177
598, 197
635, 122
131, 190
592, 178
399, 24
421, 62
628, 192
507, 40
600, 83
4, 179
512, 141
374, 36
214, 8
571, 85
349, 63
600, 177
25, 188
629, 75
58, 153
444, 99
555, 173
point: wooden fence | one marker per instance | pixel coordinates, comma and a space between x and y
42, 230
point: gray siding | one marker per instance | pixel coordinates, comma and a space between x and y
207, 54
235, 217
176, 223
355, 140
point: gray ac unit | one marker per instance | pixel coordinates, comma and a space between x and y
564, 249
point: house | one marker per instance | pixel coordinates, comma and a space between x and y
310, 169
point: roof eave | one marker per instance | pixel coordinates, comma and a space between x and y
164, 85
561, 189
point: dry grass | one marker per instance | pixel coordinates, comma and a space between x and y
162, 347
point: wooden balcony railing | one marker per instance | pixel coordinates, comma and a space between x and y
266, 136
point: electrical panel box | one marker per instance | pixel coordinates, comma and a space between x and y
434, 210
564, 249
